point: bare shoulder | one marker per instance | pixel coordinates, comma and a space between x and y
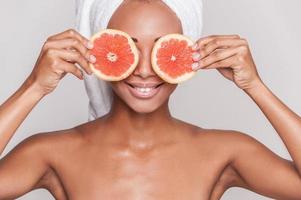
59, 143
38, 143
39, 152
53, 138
232, 139
231, 144
48, 145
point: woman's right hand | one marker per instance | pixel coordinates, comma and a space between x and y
58, 56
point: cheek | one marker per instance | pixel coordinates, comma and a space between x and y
166, 91
118, 89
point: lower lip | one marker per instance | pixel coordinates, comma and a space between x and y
141, 95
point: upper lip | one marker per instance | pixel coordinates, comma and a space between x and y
144, 84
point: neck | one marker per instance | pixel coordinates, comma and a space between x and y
140, 129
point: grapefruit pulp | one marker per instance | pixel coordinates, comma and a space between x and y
172, 58
116, 55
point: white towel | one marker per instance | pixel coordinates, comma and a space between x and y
94, 15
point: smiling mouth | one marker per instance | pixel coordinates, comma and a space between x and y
144, 87
144, 90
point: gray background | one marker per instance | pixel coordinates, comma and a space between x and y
272, 28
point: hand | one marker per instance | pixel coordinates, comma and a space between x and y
230, 55
58, 56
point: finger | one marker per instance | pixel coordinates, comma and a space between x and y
71, 33
221, 64
227, 72
74, 57
71, 44
221, 43
71, 68
218, 55
205, 40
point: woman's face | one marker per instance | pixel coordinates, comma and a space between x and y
144, 91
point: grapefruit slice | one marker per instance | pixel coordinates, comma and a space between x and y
172, 58
116, 55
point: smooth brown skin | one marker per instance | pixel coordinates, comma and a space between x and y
138, 150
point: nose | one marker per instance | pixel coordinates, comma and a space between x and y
144, 68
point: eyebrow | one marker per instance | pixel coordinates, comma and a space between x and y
136, 40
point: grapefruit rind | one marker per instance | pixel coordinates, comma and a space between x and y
133, 49
157, 69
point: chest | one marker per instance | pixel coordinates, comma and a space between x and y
175, 173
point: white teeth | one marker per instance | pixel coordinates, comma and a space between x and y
144, 90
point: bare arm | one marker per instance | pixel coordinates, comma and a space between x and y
15, 109
263, 171
27, 167
260, 169
55, 60
23, 167
286, 122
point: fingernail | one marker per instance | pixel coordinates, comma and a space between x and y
195, 66
195, 46
92, 58
90, 45
196, 56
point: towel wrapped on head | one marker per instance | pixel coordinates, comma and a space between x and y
94, 15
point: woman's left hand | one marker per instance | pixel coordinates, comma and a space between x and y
230, 55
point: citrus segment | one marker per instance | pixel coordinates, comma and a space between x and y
116, 55
172, 58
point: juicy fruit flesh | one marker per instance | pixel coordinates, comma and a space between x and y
117, 56
113, 54
174, 57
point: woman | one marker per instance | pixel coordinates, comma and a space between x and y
138, 150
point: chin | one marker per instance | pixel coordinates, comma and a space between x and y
146, 99
144, 107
